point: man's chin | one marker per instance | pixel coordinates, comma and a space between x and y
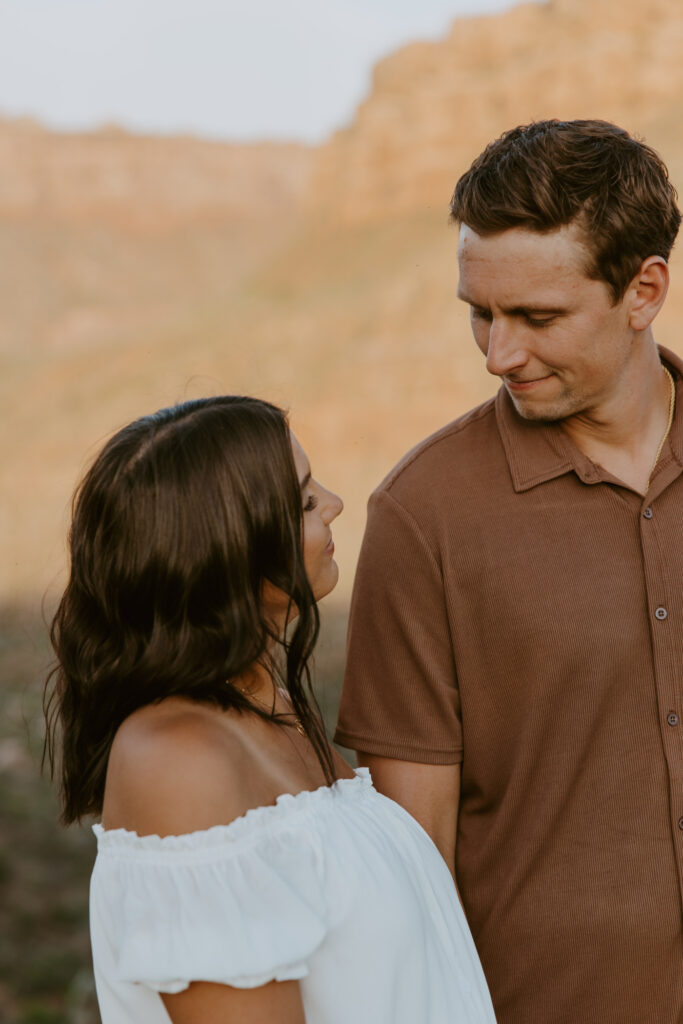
539, 412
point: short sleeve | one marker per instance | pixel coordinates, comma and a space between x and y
400, 697
208, 906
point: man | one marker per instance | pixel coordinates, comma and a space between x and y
515, 664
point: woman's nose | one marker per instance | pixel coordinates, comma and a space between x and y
333, 506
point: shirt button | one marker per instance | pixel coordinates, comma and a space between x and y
672, 718
661, 613
648, 512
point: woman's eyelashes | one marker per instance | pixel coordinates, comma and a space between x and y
310, 503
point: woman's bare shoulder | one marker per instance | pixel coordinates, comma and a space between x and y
176, 767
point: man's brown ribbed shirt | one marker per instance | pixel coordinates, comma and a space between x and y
519, 610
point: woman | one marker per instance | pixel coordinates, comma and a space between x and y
244, 871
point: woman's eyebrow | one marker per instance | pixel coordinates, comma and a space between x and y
306, 480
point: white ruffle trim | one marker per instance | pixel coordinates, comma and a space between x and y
239, 904
254, 820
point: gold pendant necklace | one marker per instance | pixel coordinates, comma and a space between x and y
297, 723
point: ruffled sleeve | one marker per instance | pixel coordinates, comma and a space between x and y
241, 904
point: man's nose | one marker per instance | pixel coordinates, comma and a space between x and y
506, 351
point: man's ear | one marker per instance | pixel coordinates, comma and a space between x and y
647, 292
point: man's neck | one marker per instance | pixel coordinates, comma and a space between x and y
624, 435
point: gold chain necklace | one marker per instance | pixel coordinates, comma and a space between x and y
297, 723
672, 403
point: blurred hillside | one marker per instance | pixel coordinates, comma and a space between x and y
434, 106
140, 271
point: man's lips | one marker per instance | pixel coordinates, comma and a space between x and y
525, 385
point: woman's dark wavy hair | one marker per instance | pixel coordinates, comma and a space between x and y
547, 174
180, 521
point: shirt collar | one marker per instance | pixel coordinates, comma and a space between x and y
537, 452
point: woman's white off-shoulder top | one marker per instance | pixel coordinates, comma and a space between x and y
338, 887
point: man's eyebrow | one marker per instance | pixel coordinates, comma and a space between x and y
543, 310
306, 480
516, 310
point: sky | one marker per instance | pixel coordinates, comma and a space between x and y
227, 69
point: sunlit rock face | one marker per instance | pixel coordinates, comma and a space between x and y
433, 106
138, 271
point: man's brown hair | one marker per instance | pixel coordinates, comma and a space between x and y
547, 174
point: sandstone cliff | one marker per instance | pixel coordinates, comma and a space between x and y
434, 106
138, 271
